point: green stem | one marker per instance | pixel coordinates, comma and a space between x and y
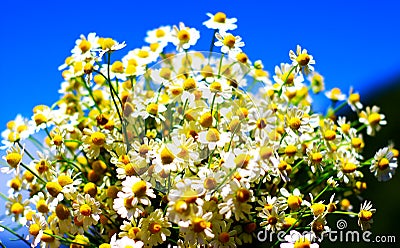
34, 173
15, 234
326, 188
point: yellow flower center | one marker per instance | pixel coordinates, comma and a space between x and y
302, 243
90, 188
39, 119
356, 142
112, 191
99, 79
250, 227
282, 165
143, 54
316, 158
355, 97
57, 140
166, 156
220, 17
139, 188
22, 128
133, 232
13, 159
288, 79
335, 92
117, 67
15, 183
206, 120
106, 43
62, 211
318, 208
212, 135
42, 207
84, 46
294, 123
345, 128
189, 84
46, 237
98, 138
160, 33
17, 208
183, 36
224, 237
289, 221
152, 108
34, 229
143, 150
272, 220
242, 160
216, 87
42, 166
329, 135
290, 150
129, 169
349, 167
242, 113
243, 195
242, 58
88, 68
374, 118
128, 202
64, 180
181, 207
268, 207
130, 70
294, 202
383, 163
199, 224
85, 210
207, 71
261, 123
54, 188
303, 59
99, 166
229, 41
210, 183
365, 215
154, 228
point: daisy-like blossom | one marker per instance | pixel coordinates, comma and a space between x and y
229, 44
93, 141
84, 47
286, 76
138, 189
212, 138
365, 215
109, 45
372, 119
13, 158
292, 200
295, 239
302, 60
226, 236
199, 231
86, 210
272, 219
154, 229
335, 94
16, 206
220, 21
384, 164
236, 196
161, 34
354, 101
317, 82
184, 37
347, 166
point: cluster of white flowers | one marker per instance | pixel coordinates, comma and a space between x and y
165, 147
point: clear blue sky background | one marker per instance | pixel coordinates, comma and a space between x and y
353, 42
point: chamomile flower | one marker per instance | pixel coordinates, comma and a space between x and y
219, 21
296, 239
109, 45
365, 215
84, 47
138, 189
212, 138
384, 164
354, 101
229, 44
93, 141
184, 37
13, 158
16, 206
302, 60
273, 219
154, 229
335, 94
286, 76
225, 234
86, 210
372, 119
159, 35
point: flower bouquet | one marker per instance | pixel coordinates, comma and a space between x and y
169, 146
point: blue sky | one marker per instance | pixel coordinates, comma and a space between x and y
353, 42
